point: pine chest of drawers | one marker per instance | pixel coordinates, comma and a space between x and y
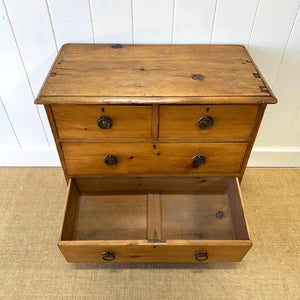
153, 141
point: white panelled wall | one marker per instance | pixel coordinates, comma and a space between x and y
32, 31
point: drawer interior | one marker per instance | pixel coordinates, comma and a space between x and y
154, 209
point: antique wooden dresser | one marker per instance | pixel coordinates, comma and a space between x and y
153, 141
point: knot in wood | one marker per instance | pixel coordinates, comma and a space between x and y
198, 77
219, 214
116, 46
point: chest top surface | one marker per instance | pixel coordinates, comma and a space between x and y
142, 74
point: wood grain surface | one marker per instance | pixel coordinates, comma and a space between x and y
154, 217
176, 226
228, 120
88, 252
103, 70
209, 185
70, 212
194, 217
153, 158
112, 217
80, 121
102, 100
154, 204
53, 127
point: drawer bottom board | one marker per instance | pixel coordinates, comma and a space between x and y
127, 217
155, 225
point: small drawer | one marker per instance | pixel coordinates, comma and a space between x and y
206, 121
103, 121
174, 220
153, 158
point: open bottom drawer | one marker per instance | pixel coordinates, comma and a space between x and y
154, 220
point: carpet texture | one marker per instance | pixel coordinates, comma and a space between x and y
32, 267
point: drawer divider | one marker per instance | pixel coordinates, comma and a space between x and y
154, 216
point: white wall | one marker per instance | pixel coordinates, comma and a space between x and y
32, 31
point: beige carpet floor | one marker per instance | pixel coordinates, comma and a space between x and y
32, 267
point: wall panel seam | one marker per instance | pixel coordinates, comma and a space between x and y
132, 21
11, 125
51, 24
92, 20
44, 129
285, 48
213, 22
173, 22
293, 119
26, 74
254, 22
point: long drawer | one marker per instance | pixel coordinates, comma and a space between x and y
153, 158
154, 221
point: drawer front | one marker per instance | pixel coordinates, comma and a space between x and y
206, 121
102, 121
83, 252
149, 158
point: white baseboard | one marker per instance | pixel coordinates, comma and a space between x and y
49, 158
25, 158
279, 158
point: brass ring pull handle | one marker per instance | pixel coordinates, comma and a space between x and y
108, 256
205, 122
104, 122
201, 256
111, 160
198, 160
